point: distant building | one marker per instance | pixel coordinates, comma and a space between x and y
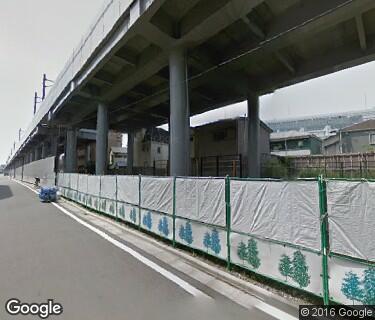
227, 137
219, 148
357, 138
295, 143
86, 149
151, 147
118, 157
2, 167
322, 126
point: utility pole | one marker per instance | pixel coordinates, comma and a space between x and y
36, 101
45, 85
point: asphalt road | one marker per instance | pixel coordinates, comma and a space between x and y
44, 254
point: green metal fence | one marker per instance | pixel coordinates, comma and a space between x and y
293, 264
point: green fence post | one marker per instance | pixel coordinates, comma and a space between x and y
116, 201
87, 192
324, 237
100, 195
139, 202
174, 211
228, 219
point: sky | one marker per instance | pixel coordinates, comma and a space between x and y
38, 36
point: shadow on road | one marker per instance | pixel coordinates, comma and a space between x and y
5, 192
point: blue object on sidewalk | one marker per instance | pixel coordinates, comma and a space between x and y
48, 194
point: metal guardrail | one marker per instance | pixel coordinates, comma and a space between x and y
103, 24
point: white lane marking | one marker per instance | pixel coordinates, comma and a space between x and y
167, 274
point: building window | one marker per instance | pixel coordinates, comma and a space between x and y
159, 150
372, 138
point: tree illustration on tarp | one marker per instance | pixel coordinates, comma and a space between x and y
122, 212
369, 287
300, 272
133, 215
89, 201
242, 251
147, 220
112, 208
285, 266
351, 287
253, 254
163, 226
104, 205
215, 241
96, 203
186, 233
207, 241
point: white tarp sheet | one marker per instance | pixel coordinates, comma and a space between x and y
201, 200
43, 169
283, 211
108, 187
128, 189
351, 212
74, 181
93, 186
157, 194
82, 183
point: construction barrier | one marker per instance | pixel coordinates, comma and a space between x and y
43, 169
315, 235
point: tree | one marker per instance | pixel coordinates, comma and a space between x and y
122, 211
252, 254
285, 266
369, 287
181, 232
215, 241
112, 208
188, 233
207, 241
133, 215
147, 220
104, 205
242, 251
163, 226
351, 287
300, 272
160, 226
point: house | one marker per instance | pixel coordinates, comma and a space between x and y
357, 138
118, 157
151, 148
295, 143
219, 148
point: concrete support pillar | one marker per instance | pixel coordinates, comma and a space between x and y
130, 159
179, 114
87, 153
253, 132
44, 150
36, 154
54, 146
101, 140
71, 151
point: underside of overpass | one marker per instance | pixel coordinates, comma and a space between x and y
185, 57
